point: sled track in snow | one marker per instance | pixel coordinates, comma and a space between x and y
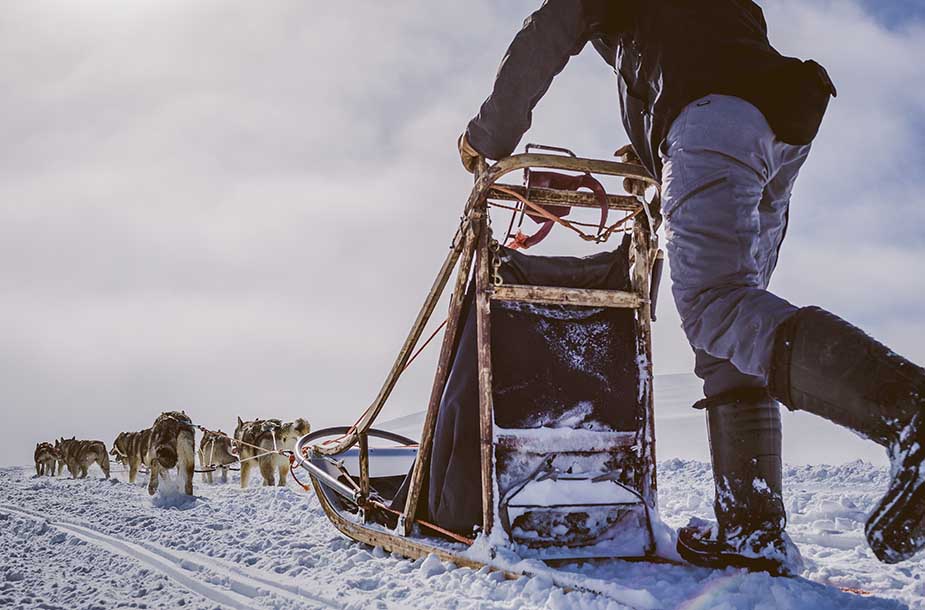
238, 586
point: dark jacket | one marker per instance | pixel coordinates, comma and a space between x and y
666, 54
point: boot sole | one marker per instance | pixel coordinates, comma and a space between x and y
895, 529
693, 551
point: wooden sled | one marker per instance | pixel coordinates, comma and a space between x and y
604, 479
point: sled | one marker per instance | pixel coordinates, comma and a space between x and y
551, 488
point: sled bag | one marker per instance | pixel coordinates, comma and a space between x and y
554, 366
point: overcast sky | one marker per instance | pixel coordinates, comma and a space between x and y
235, 208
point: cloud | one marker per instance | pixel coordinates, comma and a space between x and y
236, 208
857, 211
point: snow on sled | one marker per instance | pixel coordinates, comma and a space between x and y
538, 435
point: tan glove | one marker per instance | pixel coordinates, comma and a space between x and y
627, 154
468, 155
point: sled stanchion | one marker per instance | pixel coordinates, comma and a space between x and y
483, 330
442, 373
363, 440
645, 247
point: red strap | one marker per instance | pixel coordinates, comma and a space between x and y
521, 240
559, 181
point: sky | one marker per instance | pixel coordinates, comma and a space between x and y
236, 208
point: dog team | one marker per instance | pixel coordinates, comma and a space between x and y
170, 443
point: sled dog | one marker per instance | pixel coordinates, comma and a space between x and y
269, 435
131, 449
216, 451
78, 456
172, 444
46, 457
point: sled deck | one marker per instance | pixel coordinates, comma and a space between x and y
538, 432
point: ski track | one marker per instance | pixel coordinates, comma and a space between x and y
105, 544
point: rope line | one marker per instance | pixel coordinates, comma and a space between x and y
353, 426
274, 451
572, 226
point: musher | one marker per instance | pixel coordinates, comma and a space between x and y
725, 122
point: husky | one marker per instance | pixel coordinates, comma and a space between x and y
258, 439
46, 457
78, 456
216, 450
131, 449
59, 455
172, 443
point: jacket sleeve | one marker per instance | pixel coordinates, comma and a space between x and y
550, 37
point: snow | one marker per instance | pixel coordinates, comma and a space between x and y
107, 544
572, 490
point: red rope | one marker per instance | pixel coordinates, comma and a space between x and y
353, 428
426, 343
294, 477
431, 526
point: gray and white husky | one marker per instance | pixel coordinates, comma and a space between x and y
172, 445
78, 456
131, 449
46, 457
257, 440
216, 450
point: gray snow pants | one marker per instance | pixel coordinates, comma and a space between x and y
726, 186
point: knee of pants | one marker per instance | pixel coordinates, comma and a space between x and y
720, 376
708, 307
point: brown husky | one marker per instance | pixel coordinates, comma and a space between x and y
172, 444
131, 449
262, 438
78, 456
46, 456
215, 451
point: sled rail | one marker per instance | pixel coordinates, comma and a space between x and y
551, 295
575, 199
560, 162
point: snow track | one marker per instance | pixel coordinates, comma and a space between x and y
227, 585
105, 544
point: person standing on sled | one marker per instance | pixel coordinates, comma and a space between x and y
725, 122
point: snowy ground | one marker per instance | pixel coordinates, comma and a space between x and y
106, 544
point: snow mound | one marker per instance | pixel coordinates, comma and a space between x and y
169, 495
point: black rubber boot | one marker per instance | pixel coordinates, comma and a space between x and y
745, 446
824, 365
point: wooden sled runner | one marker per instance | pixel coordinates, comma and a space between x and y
576, 482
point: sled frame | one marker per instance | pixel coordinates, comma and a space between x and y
472, 243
